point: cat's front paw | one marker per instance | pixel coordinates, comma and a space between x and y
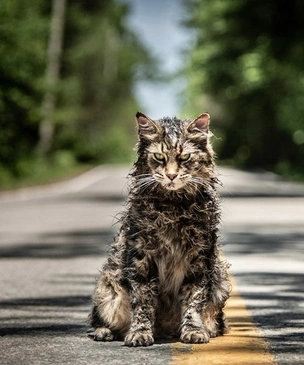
102, 334
139, 338
195, 336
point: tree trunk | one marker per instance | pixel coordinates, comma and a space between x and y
46, 130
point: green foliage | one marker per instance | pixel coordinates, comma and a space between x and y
94, 116
22, 49
246, 68
37, 171
107, 59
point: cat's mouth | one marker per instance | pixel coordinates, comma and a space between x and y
170, 183
173, 185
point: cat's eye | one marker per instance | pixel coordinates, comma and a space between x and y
185, 156
159, 156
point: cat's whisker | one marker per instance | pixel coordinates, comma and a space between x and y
160, 176
140, 175
185, 176
144, 177
201, 181
143, 183
197, 182
149, 178
153, 185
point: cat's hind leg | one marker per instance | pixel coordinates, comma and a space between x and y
111, 313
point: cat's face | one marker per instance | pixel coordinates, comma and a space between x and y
176, 153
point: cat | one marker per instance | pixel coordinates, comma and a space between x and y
166, 275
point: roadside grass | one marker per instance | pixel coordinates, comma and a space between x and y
60, 167
38, 173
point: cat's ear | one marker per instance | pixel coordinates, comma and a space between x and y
200, 124
146, 126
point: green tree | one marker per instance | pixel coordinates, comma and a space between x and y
46, 128
107, 58
246, 68
23, 35
92, 116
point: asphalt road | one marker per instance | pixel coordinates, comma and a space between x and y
53, 240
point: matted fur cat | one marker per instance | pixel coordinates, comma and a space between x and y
165, 275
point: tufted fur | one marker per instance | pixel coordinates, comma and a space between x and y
165, 275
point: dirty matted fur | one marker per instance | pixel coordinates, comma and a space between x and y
165, 275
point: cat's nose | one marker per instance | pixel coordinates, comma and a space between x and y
171, 176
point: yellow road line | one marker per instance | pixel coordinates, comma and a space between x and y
243, 345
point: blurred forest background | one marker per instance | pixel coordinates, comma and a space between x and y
247, 69
68, 69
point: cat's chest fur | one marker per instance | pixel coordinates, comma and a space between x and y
170, 236
172, 265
